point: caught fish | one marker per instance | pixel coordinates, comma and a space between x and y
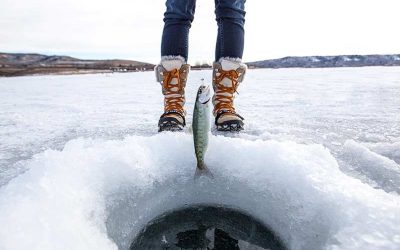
201, 128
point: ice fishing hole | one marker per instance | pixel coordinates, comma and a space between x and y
205, 227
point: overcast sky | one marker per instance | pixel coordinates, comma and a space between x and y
131, 29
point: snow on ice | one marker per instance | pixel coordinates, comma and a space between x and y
298, 190
82, 166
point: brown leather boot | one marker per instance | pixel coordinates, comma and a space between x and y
172, 75
227, 75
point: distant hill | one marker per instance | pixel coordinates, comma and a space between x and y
329, 61
19, 64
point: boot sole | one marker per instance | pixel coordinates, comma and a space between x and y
230, 126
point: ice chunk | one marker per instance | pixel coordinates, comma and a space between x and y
378, 168
98, 194
390, 150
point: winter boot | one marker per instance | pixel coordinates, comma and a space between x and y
172, 74
227, 75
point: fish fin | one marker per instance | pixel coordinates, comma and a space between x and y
203, 171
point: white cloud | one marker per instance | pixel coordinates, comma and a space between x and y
132, 28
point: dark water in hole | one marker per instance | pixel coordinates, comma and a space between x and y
201, 227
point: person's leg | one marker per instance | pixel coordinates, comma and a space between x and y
177, 22
172, 71
228, 69
230, 16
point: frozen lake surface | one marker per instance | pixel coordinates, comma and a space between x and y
83, 167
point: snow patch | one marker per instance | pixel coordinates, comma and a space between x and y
315, 59
98, 194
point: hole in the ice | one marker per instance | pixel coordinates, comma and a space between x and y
204, 227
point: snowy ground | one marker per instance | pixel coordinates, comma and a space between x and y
83, 167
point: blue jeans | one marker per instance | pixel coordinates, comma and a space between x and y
230, 17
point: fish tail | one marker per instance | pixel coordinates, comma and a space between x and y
201, 170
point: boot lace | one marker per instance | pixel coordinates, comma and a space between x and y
173, 98
225, 102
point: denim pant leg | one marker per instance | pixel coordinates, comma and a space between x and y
177, 22
230, 16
